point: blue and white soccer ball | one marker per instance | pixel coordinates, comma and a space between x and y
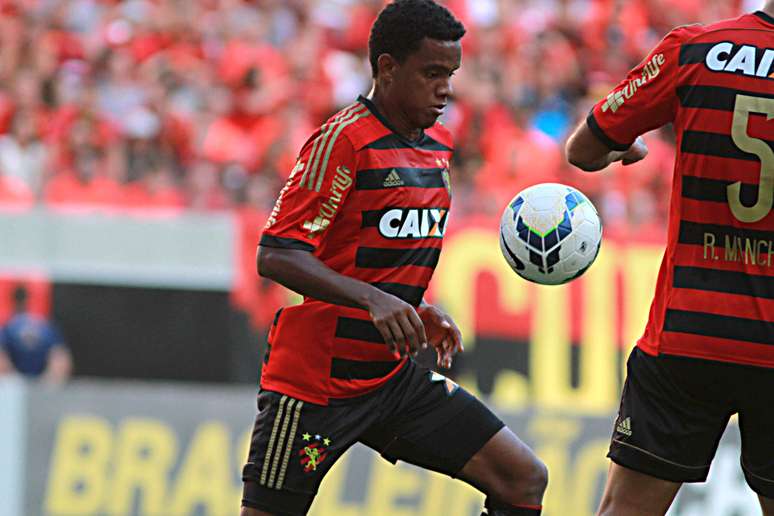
550, 233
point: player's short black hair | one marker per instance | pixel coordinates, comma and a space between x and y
403, 24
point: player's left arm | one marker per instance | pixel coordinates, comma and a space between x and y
643, 101
6, 367
442, 333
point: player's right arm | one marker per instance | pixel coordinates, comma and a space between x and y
315, 193
643, 101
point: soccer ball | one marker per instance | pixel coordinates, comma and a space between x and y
550, 233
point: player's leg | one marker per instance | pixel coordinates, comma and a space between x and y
246, 511
767, 504
441, 427
508, 472
294, 444
630, 493
668, 428
756, 427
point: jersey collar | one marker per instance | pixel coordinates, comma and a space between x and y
765, 17
386, 123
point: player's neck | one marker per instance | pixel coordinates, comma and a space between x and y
389, 110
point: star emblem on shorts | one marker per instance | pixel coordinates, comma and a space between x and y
326, 441
306, 436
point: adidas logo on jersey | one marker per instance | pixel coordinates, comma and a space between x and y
413, 223
745, 60
393, 179
625, 427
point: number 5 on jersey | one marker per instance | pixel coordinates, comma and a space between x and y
742, 109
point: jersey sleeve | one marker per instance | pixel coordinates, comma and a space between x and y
315, 193
644, 100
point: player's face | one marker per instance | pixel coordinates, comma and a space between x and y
423, 82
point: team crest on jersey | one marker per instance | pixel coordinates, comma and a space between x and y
313, 451
399, 223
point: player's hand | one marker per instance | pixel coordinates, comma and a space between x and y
635, 153
398, 322
442, 332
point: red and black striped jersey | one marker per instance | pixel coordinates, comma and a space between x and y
715, 293
371, 205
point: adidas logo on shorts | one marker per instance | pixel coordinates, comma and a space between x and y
625, 427
392, 179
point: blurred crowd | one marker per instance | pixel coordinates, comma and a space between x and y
203, 104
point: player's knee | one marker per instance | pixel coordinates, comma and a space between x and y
538, 478
247, 511
522, 485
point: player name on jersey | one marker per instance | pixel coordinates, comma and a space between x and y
738, 248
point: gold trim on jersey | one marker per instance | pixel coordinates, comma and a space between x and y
323, 132
340, 128
323, 145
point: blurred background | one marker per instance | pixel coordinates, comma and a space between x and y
142, 145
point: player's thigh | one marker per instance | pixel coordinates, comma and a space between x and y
294, 444
631, 493
445, 429
673, 412
438, 426
756, 426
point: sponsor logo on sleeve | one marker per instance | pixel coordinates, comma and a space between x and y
651, 70
342, 182
278, 205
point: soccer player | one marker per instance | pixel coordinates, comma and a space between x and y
357, 230
708, 348
33, 346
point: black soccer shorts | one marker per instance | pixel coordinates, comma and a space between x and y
674, 411
418, 416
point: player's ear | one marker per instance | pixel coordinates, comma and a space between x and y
387, 65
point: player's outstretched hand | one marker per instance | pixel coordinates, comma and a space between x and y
398, 322
636, 152
442, 332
